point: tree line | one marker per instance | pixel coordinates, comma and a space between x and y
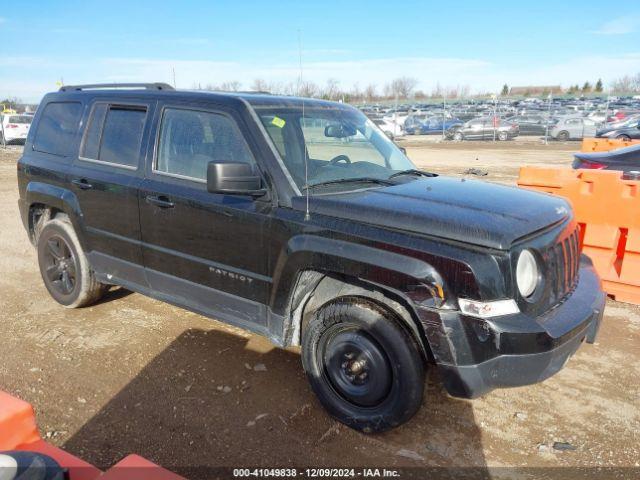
403, 88
400, 88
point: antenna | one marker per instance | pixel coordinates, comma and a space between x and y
307, 215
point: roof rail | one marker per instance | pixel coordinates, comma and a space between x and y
96, 86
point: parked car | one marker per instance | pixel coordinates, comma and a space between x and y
572, 128
598, 116
299, 220
484, 128
430, 126
610, 126
14, 127
389, 127
531, 124
630, 130
397, 117
625, 159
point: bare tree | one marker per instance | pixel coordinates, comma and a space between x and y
387, 91
403, 87
290, 88
308, 89
437, 92
355, 93
230, 86
331, 90
371, 92
261, 85
452, 91
627, 84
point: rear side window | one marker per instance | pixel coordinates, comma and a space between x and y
114, 134
57, 128
21, 119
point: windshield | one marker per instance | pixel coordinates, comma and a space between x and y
338, 143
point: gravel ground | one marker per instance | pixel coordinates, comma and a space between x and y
133, 374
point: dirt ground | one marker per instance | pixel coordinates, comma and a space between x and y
133, 374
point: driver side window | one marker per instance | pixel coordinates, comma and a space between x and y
190, 139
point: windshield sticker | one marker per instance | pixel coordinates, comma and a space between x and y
278, 122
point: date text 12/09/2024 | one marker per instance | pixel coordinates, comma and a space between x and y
316, 473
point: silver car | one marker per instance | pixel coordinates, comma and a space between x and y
573, 128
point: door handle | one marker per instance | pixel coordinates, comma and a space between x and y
82, 184
160, 201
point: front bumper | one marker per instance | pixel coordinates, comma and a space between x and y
475, 356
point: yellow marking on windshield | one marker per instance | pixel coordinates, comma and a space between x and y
278, 122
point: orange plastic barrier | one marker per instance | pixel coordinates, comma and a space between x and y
18, 431
604, 144
608, 210
17, 422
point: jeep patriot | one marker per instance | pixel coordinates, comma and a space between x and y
298, 219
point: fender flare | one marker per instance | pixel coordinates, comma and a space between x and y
59, 198
322, 254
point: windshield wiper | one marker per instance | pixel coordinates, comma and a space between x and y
413, 171
350, 180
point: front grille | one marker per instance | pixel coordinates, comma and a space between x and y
563, 262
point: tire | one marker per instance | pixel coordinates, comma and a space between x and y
64, 267
626, 138
458, 136
503, 137
563, 136
381, 392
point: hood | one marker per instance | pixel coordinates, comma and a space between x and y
469, 211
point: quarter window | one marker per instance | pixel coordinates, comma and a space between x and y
91, 145
190, 139
57, 128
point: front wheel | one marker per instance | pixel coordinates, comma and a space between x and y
365, 368
458, 137
563, 136
625, 138
64, 267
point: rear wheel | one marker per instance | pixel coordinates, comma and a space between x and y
64, 267
626, 138
502, 136
365, 368
563, 136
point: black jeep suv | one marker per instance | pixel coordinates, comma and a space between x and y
300, 220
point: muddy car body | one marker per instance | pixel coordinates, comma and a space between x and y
300, 220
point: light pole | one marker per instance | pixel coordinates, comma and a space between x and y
546, 129
495, 116
444, 110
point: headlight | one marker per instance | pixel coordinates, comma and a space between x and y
527, 273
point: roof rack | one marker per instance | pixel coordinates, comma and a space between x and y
96, 86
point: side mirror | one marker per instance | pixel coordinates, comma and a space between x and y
233, 178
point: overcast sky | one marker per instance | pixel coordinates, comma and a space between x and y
483, 44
